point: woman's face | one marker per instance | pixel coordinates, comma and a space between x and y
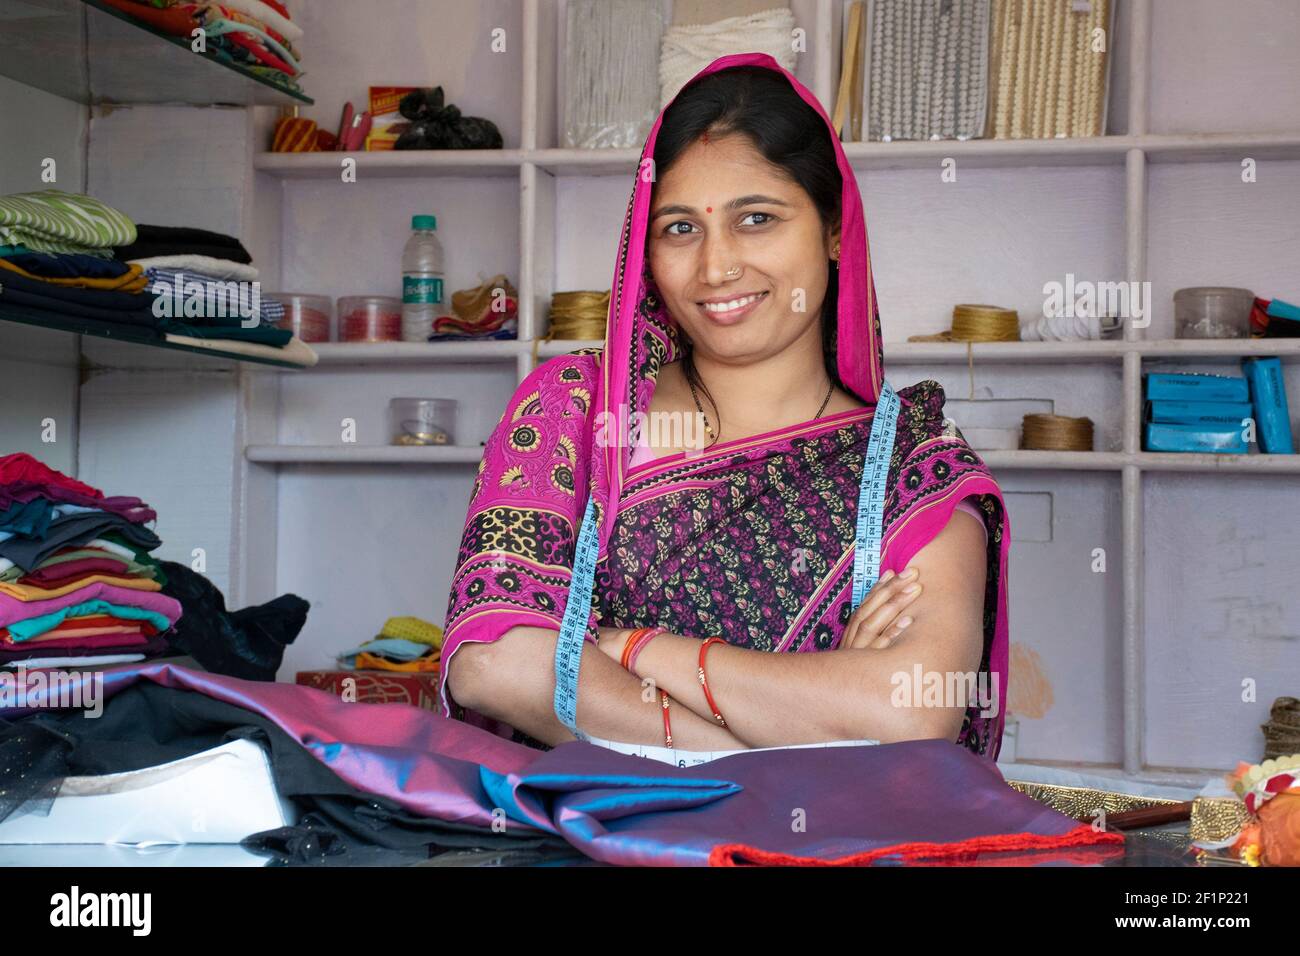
723, 207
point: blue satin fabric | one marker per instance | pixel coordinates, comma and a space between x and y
618, 808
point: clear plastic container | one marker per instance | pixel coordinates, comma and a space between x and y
1212, 312
310, 317
422, 421
370, 318
423, 299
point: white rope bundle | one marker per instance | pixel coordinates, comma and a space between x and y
688, 49
609, 72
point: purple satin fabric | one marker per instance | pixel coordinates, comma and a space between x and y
628, 810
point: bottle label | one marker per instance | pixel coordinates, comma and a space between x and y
421, 290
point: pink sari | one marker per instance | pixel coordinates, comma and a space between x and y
752, 539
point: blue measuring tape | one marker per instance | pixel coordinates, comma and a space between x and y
871, 495
866, 559
573, 626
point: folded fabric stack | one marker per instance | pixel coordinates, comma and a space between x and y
405, 644
76, 263
256, 34
77, 583
488, 311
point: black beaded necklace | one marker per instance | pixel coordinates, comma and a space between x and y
708, 429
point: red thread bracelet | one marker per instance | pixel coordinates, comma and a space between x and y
668, 730
704, 682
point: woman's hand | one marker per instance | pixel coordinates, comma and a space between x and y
879, 621
612, 640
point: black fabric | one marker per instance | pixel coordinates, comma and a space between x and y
1280, 327
146, 724
248, 644
68, 265
436, 124
136, 318
153, 241
75, 528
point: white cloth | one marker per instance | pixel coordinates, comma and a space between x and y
688, 49
202, 265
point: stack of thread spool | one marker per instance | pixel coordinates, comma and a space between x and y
1056, 433
978, 323
578, 315
1282, 732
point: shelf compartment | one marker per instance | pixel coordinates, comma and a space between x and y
973, 153
1036, 460
1210, 462
123, 333
365, 454
416, 353
393, 164
1048, 353
90, 52
1217, 348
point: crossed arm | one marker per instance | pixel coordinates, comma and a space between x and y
767, 699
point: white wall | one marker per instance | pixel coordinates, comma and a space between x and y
38, 369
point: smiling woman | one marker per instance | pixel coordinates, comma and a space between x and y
745, 276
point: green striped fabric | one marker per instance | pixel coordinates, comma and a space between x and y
56, 221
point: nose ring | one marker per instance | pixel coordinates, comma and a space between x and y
734, 272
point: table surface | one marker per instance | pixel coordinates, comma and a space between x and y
1162, 846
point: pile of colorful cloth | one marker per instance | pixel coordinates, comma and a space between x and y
405, 644
256, 34
77, 582
69, 261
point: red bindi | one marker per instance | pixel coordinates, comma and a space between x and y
708, 209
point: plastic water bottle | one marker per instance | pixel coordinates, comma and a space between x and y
422, 296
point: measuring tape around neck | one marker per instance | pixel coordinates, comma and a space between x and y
866, 559
871, 495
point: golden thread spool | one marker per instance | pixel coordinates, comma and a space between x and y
1282, 732
1056, 433
985, 323
578, 315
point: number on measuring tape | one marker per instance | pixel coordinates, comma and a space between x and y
871, 495
573, 626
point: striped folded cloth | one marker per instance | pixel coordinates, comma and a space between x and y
52, 220
222, 298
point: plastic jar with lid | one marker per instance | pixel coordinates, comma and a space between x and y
422, 421
310, 317
370, 318
1212, 312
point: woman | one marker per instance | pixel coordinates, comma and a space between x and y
743, 297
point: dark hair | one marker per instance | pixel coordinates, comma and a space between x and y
762, 105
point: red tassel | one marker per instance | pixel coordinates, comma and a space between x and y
740, 854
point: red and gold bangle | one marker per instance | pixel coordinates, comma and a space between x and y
704, 682
668, 730
650, 634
